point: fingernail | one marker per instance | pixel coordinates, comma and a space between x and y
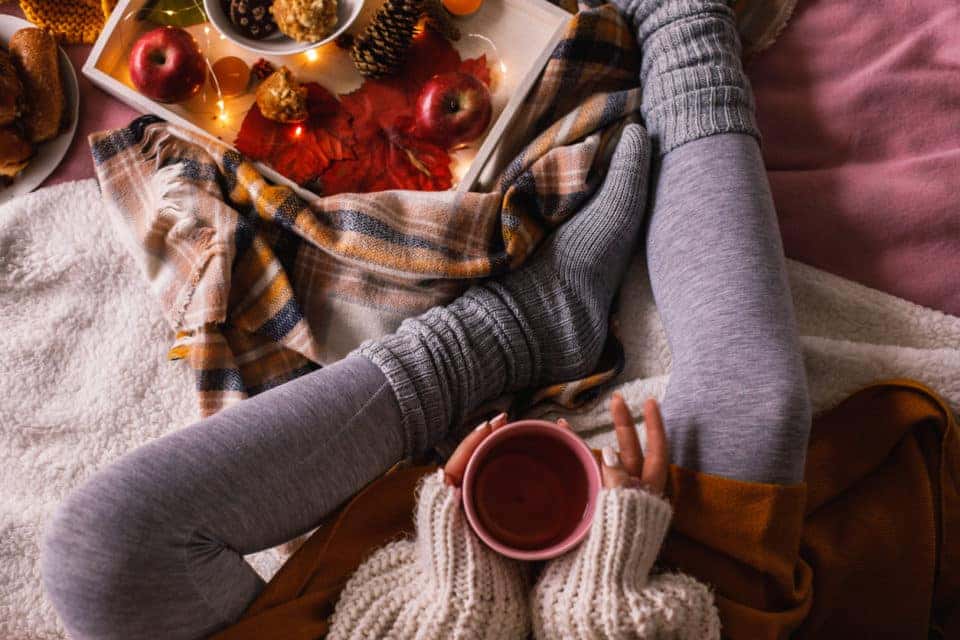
499, 420
482, 425
610, 457
563, 423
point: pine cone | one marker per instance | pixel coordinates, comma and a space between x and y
379, 51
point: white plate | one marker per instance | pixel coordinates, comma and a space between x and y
48, 154
279, 44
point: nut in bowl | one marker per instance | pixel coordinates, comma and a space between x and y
301, 24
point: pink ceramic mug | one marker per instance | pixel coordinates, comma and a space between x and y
530, 489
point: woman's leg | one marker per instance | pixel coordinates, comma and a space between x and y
152, 546
737, 403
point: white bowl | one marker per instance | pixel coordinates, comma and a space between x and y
279, 44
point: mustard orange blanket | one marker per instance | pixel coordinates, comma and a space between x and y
867, 547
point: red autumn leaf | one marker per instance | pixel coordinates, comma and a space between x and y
364, 141
300, 151
377, 106
320, 102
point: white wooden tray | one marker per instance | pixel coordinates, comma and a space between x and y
517, 36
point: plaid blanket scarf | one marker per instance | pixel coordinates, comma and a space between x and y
263, 286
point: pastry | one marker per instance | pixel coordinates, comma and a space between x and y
253, 18
15, 152
281, 98
305, 20
11, 90
35, 56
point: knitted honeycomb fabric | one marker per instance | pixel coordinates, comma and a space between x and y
443, 585
70, 21
604, 590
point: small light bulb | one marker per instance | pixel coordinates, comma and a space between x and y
169, 12
298, 131
220, 105
223, 117
312, 55
206, 30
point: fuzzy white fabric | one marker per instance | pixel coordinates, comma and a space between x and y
83, 372
85, 378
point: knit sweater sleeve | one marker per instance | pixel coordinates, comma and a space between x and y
443, 585
693, 81
604, 589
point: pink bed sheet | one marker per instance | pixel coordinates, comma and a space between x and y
859, 104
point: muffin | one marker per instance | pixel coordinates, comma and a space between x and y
305, 20
281, 98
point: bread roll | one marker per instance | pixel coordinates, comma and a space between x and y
34, 52
11, 90
15, 152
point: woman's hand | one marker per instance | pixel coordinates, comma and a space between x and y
457, 464
630, 468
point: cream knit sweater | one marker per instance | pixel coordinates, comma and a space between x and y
447, 585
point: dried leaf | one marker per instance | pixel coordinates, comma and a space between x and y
364, 141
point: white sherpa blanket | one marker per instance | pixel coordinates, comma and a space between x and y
84, 375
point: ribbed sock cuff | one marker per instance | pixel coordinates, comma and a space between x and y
701, 113
391, 354
693, 81
447, 362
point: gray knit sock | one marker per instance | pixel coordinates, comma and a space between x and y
693, 82
545, 323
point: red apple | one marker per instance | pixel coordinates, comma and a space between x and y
166, 65
453, 108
